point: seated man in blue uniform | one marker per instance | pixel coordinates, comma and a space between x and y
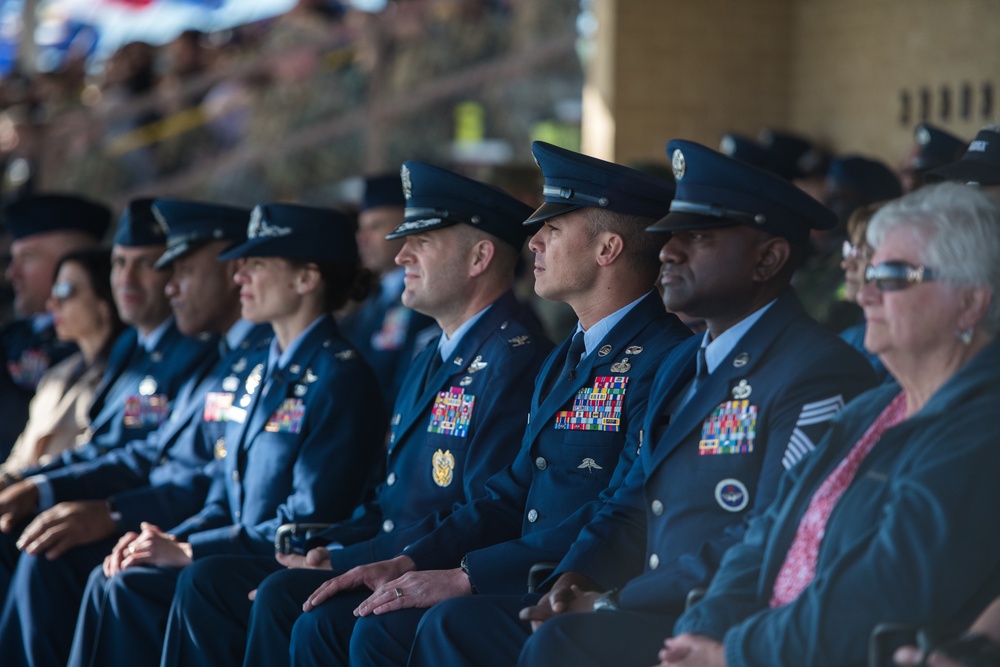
302, 435
151, 360
42, 228
731, 411
893, 518
456, 422
90, 503
386, 332
592, 252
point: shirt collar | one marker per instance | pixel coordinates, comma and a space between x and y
718, 349
152, 339
278, 358
447, 346
593, 336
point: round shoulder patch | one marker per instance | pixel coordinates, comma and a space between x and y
732, 495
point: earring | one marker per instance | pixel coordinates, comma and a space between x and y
965, 336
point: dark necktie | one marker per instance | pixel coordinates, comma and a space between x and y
702, 373
576, 349
432, 366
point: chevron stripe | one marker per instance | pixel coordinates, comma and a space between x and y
820, 411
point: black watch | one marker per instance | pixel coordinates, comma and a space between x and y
465, 568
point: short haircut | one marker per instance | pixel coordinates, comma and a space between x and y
641, 248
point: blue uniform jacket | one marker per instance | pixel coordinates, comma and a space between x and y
302, 451
433, 466
389, 336
134, 396
162, 478
683, 503
915, 538
557, 479
27, 354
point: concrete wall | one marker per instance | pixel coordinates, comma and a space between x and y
835, 70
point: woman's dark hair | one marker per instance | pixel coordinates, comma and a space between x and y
96, 263
342, 282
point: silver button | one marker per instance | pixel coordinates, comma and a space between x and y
237, 515
388, 525
541, 463
657, 507
654, 562
236, 476
532, 516
391, 479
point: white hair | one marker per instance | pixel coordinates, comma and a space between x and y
960, 228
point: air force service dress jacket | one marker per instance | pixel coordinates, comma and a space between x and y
580, 440
448, 434
300, 444
915, 538
162, 478
718, 460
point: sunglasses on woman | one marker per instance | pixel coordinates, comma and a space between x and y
62, 292
894, 276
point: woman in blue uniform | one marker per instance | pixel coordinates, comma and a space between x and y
304, 430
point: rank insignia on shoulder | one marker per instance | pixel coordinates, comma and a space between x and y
443, 464
634, 349
477, 364
742, 390
732, 495
344, 355
518, 341
148, 386
604, 351
590, 464
622, 366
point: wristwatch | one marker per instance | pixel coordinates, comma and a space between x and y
607, 601
465, 568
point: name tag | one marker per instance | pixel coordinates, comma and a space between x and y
142, 411
287, 418
452, 413
730, 429
217, 406
597, 408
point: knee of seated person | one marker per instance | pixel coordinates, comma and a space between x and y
204, 572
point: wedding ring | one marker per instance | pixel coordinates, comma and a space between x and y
399, 593
131, 548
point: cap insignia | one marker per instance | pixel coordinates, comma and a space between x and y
678, 164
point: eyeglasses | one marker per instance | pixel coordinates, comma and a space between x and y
894, 276
862, 251
62, 292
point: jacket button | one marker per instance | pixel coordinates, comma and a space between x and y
236, 476
388, 525
541, 463
237, 514
391, 479
657, 507
654, 562
532, 516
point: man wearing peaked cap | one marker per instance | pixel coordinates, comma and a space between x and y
583, 431
42, 228
150, 360
460, 407
933, 147
304, 432
747, 150
729, 412
980, 165
387, 333
84, 506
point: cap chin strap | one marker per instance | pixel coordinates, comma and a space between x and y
716, 211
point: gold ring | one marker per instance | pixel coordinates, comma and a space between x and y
399, 593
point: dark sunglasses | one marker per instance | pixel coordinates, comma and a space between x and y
62, 292
894, 276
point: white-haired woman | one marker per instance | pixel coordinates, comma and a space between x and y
894, 516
